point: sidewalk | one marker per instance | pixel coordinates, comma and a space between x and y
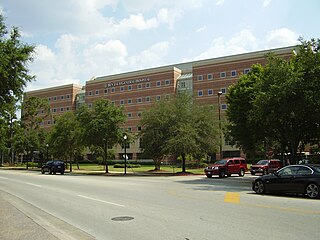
20, 220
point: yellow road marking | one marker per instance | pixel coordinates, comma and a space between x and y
232, 197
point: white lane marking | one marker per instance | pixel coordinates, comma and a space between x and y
98, 200
32, 184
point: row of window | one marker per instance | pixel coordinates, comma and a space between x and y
61, 97
137, 100
129, 88
210, 92
61, 109
233, 73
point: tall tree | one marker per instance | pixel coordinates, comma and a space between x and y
64, 137
14, 72
101, 126
178, 127
34, 111
245, 133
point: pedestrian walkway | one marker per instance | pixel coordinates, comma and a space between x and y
21, 220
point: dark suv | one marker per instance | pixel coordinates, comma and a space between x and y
53, 167
266, 166
227, 167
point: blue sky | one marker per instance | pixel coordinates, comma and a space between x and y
76, 40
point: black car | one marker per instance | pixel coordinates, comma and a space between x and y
54, 166
297, 179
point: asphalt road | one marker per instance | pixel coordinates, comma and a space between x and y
184, 207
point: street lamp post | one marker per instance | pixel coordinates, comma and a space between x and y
125, 153
220, 136
47, 145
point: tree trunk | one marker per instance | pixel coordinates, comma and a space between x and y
105, 156
157, 164
183, 163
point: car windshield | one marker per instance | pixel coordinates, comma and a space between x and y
262, 162
317, 168
223, 161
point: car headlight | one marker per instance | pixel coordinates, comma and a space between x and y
216, 168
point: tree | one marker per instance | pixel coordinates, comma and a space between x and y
280, 106
245, 133
14, 72
178, 127
64, 137
34, 111
101, 126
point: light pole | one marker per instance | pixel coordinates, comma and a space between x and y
125, 153
47, 145
220, 137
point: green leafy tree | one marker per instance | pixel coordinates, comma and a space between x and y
245, 133
34, 111
281, 105
64, 137
178, 127
14, 72
101, 126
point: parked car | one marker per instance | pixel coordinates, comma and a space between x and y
54, 166
297, 179
266, 166
227, 167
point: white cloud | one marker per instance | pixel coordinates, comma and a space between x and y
219, 2
266, 3
240, 43
151, 57
201, 29
281, 38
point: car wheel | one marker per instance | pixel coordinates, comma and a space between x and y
62, 173
241, 173
42, 172
258, 187
222, 174
312, 190
54, 172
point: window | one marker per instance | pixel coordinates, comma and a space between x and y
121, 88
233, 73
148, 99
139, 100
223, 74
158, 83
113, 102
90, 93
62, 97
182, 84
247, 70
139, 114
158, 98
129, 115
68, 96
54, 98
139, 128
167, 82
129, 101
129, 129
90, 105
139, 86
97, 92
210, 76
129, 88
121, 102
61, 109
68, 109
113, 90
54, 110
106, 91
200, 93
148, 85
224, 106
210, 92
167, 97
223, 90
49, 99
49, 122
200, 77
